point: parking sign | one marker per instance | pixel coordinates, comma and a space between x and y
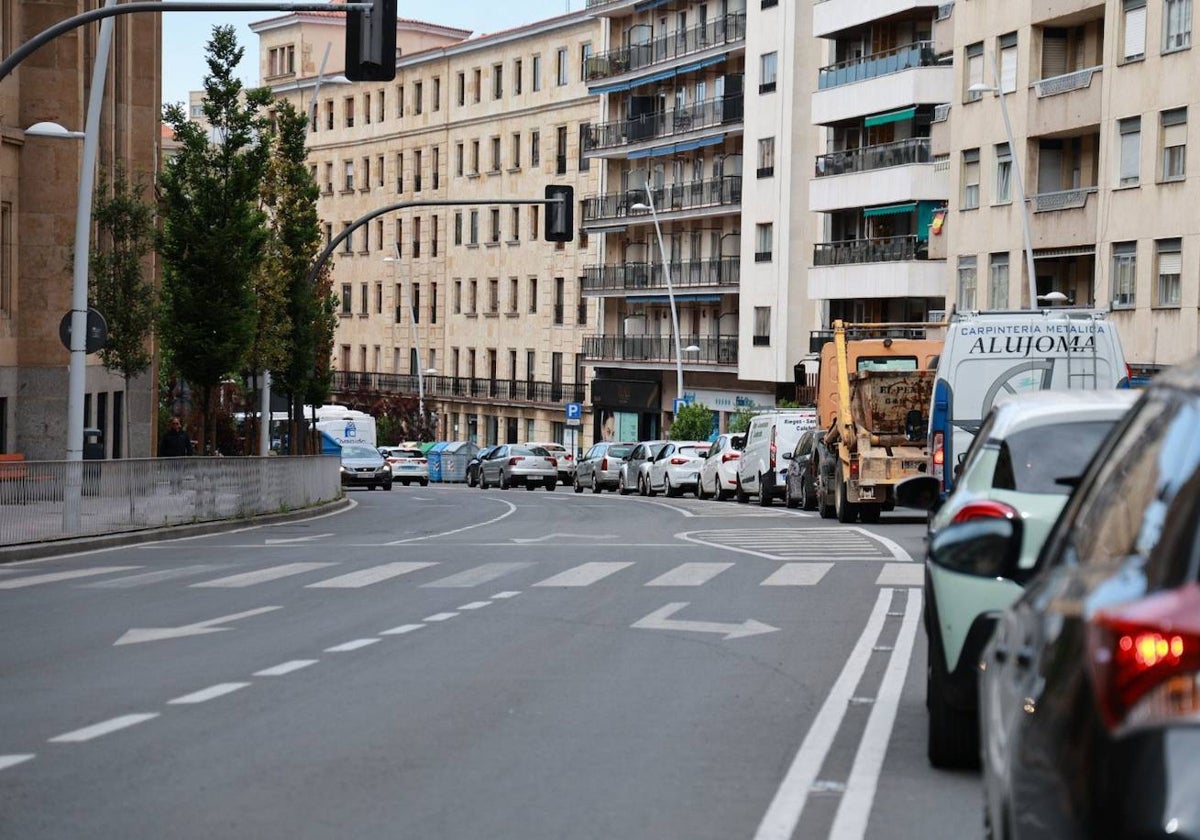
574, 410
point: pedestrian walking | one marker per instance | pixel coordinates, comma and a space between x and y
175, 443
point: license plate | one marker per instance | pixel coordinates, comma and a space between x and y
866, 492
911, 465
408, 466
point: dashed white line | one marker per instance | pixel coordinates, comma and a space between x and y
285, 668
206, 694
446, 616
7, 761
402, 630
502, 595
54, 577
476, 605
78, 736
346, 647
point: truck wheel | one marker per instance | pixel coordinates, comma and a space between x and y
846, 512
869, 514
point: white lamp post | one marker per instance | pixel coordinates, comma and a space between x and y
412, 323
662, 250
1016, 165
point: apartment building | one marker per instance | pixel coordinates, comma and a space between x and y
876, 184
463, 300
39, 181
1098, 95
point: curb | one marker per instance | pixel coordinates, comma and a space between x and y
34, 551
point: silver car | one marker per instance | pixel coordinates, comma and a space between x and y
560, 453
508, 465
719, 471
676, 468
633, 472
600, 467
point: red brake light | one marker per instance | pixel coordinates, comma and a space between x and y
730, 456
604, 465
854, 470
939, 457
985, 509
1144, 658
553, 462
679, 461
512, 462
773, 449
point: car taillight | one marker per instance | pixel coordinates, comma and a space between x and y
1144, 659
854, 470
512, 462
603, 465
678, 461
730, 456
553, 462
773, 449
939, 457
985, 509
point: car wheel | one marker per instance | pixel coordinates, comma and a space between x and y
701, 493
764, 493
596, 488
953, 733
668, 489
387, 485
504, 482
549, 485
650, 491
528, 485
577, 487
788, 499
642, 485
846, 512
740, 493
621, 488
424, 482
808, 499
471, 482
825, 508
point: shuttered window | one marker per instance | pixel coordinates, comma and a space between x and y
1170, 270
1135, 29
1174, 144
1131, 145
1008, 62
1054, 53
974, 71
970, 179
1124, 274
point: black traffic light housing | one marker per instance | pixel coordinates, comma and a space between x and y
371, 43
560, 213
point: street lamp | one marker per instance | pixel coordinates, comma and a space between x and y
998, 89
662, 249
412, 323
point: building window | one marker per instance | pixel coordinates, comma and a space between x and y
533, 295
513, 304
348, 111
329, 115
764, 235
381, 104
1174, 144
998, 282
1134, 25
585, 52
494, 215
1130, 136
766, 157
560, 299
418, 97
514, 233
1124, 275
560, 159
537, 73
1008, 62
493, 295
768, 68
497, 81
461, 97
436, 169
515, 163
535, 149
495, 146
459, 159
970, 179
974, 75
366, 109
347, 299
437, 93
433, 236
348, 242
366, 170
399, 101
762, 326
400, 172
1170, 269
533, 223
560, 57
456, 303
472, 298
517, 67
348, 174
966, 284
1177, 25
477, 87
474, 230
363, 300
379, 170
458, 227
1003, 173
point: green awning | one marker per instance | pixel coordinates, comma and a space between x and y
890, 210
891, 117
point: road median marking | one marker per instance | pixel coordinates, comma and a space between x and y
96, 730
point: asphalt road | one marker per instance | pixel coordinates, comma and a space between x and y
445, 662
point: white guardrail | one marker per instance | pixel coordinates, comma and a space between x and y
138, 493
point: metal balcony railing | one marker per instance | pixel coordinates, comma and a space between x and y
900, 153
640, 276
884, 249
716, 32
686, 196
1061, 199
461, 387
708, 114
721, 350
1065, 83
917, 54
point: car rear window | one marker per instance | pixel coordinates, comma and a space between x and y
407, 453
693, 451
619, 451
1032, 461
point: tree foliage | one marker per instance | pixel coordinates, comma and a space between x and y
740, 421
693, 422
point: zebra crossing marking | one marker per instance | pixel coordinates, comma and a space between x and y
477, 575
270, 573
54, 577
583, 575
366, 577
690, 574
798, 574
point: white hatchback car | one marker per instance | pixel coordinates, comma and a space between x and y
560, 453
676, 468
718, 476
408, 464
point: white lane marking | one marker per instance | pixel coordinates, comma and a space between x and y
288, 540
285, 668
690, 574
526, 540
261, 576
891, 545
402, 629
679, 510
136, 635
783, 814
78, 736
901, 574
854, 810
147, 578
55, 577
366, 577
346, 647
583, 575
446, 616
473, 577
661, 619
502, 595
798, 574
7, 761
206, 694
511, 510
476, 605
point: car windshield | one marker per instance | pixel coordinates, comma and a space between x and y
1032, 461
407, 453
357, 450
527, 450
619, 451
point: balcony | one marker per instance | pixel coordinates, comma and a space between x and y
625, 278
660, 349
897, 173
1066, 102
695, 195
717, 32
833, 16
883, 82
900, 153
885, 249
461, 388
917, 54
873, 280
1064, 218
1065, 12
646, 127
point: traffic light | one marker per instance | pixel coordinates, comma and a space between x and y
371, 43
560, 213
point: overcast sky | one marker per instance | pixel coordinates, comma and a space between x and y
186, 33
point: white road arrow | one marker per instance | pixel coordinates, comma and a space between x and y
156, 634
661, 620
572, 536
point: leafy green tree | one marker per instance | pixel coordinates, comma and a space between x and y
740, 421
692, 422
214, 230
120, 289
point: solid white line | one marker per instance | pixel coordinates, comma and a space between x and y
502, 595
402, 629
901, 574
7, 761
285, 668
154, 577
446, 616
583, 575
98, 729
260, 576
366, 577
205, 694
473, 577
798, 574
511, 510
783, 814
55, 577
899, 553
476, 605
349, 646
854, 810
690, 574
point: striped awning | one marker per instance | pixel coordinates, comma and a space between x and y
891, 117
1054, 253
890, 210
660, 76
677, 148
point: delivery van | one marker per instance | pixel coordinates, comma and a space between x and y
989, 354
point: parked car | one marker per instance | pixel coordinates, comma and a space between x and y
772, 434
363, 466
560, 453
600, 466
1019, 466
676, 468
719, 471
472, 474
509, 465
1090, 685
634, 469
803, 486
408, 465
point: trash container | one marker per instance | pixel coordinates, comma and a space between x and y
434, 456
455, 457
93, 450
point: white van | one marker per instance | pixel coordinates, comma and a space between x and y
987, 354
770, 439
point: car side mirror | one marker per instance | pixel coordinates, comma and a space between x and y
787, 456
987, 548
920, 491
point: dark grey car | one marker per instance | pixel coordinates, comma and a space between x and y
633, 471
363, 466
803, 485
600, 467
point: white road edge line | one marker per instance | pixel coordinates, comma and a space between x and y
783, 814
511, 510
7, 761
346, 647
206, 694
854, 811
891, 545
446, 616
78, 736
285, 668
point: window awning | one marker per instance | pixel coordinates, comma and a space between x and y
891, 117
680, 299
649, 4
658, 77
676, 148
1054, 253
890, 210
